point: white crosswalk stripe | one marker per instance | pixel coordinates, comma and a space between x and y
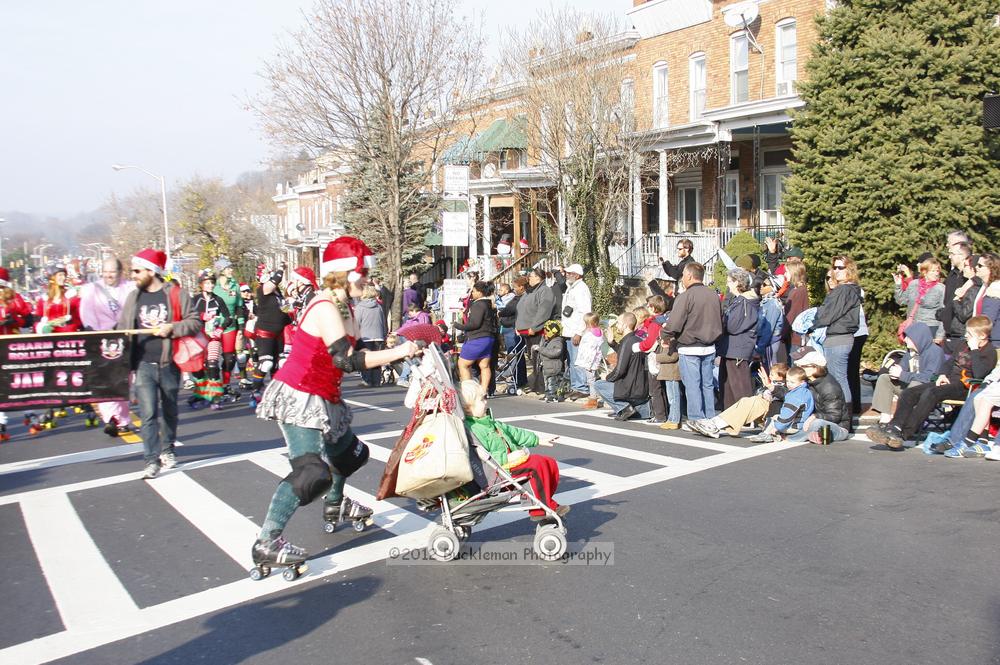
83, 581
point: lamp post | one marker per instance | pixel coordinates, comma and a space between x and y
163, 194
2, 222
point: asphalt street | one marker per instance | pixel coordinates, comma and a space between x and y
723, 552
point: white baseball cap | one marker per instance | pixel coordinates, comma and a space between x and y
576, 269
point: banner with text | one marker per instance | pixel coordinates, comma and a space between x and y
42, 371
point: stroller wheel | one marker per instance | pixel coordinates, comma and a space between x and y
511, 390
443, 545
550, 542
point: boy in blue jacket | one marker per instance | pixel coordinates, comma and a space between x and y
796, 408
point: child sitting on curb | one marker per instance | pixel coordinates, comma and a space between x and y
795, 410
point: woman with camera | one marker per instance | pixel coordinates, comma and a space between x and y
924, 296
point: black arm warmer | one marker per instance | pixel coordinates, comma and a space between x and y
343, 359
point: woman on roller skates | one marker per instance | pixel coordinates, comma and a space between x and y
14, 313
215, 318
305, 399
58, 310
228, 291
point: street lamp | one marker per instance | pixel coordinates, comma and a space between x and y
2, 222
163, 193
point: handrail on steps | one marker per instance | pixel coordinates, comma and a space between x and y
530, 259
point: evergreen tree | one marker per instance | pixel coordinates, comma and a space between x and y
399, 242
890, 153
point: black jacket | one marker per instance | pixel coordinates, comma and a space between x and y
214, 306
630, 374
696, 318
840, 313
828, 397
946, 315
482, 320
509, 312
674, 271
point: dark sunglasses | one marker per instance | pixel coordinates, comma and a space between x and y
840, 267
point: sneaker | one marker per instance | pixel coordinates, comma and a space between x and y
402, 383
670, 426
705, 428
151, 471
993, 455
979, 449
625, 414
591, 404
763, 437
939, 448
687, 426
655, 421
188, 384
955, 452
168, 460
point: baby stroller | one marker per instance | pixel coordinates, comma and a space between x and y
493, 488
508, 367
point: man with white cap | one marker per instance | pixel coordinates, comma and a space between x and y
576, 302
156, 378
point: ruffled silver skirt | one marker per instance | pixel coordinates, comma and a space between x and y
285, 404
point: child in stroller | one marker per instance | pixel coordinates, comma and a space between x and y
508, 478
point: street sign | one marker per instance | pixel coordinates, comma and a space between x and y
455, 228
456, 182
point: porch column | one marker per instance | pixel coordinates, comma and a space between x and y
636, 200
664, 203
561, 216
487, 234
472, 229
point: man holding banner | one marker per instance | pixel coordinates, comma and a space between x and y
165, 314
100, 304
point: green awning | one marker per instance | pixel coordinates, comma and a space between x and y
459, 152
501, 135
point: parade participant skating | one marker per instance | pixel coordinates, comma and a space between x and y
58, 310
100, 304
305, 399
14, 313
269, 331
245, 347
215, 317
228, 290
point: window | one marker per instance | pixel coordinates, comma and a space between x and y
697, 78
786, 64
626, 109
688, 210
660, 95
731, 200
773, 190
739, 68
512, 158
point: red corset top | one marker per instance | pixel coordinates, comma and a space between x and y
309, 367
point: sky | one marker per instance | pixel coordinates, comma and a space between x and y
162, 85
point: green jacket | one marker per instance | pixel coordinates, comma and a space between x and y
234, 302
498, 438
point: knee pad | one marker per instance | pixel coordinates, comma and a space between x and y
310, 477
265, 365
228, 360
351, 458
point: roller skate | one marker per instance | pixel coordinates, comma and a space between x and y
348, 510
59, 413
48, 421
30, 418
277, 552
78, 409
255, 396
4, 436
113, 429
91, 420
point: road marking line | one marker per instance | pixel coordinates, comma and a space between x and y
231, 531
85, 589
364, 405
654, 436
72, 458
389, 516
616, 451
70, 642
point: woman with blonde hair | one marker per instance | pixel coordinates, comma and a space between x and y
58, 310
796, 301
924, 296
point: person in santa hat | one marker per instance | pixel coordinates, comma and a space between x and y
58, 310
156, 378
14, 314
305, 399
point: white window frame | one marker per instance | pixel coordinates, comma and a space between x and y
785, 86
680, 220
734, 73
731, 179
697, 85
773, 216
661, 95
626, 104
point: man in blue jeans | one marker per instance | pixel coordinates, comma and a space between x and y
696, 322
156, 378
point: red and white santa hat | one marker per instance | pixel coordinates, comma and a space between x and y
350, 255
523, 244
4, 277
305, 275
151, 259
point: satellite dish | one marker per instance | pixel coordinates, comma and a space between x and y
740, 15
